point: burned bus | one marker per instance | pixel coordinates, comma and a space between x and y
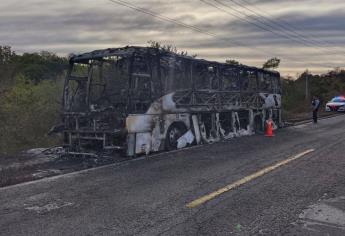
141, 100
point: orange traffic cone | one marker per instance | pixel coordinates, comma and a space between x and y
269, 129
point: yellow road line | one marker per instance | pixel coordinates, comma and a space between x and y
246, 179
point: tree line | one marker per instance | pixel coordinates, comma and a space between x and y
30, 98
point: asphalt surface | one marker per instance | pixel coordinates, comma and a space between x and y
149, 196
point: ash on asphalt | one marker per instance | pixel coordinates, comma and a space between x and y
38, 163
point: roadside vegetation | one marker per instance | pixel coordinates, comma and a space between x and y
31, 88
296, 99
30, 92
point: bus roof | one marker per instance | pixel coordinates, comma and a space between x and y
129, 50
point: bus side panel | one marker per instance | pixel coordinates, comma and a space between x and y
150, 131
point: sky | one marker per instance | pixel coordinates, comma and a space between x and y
304, 34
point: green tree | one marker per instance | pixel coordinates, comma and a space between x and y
232, 62
272, 63
169, 48
30, 94
40, 66
6, 54
27, 112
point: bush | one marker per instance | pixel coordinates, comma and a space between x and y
27, 112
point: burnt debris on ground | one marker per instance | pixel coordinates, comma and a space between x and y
40, 163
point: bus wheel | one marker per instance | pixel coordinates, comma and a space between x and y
175, 131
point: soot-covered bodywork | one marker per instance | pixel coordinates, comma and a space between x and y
142, 99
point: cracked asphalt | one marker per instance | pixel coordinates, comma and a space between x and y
149, 196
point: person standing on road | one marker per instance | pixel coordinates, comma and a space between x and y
316, 105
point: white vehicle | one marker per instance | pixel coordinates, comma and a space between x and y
336, 104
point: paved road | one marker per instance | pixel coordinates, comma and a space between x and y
148, 197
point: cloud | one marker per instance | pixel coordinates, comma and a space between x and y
76, 26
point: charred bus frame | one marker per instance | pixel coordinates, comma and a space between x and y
142, 100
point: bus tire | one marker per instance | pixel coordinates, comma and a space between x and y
175, 131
